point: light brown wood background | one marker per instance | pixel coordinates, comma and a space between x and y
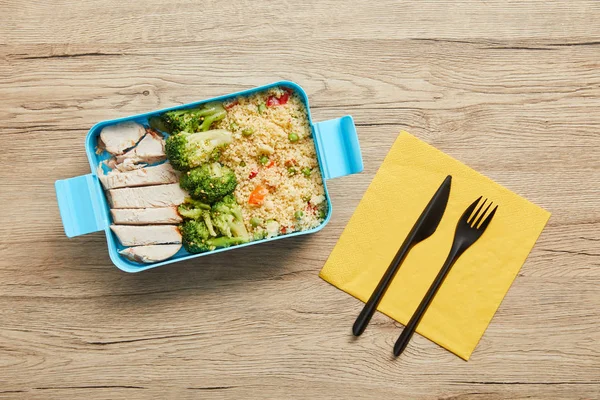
511, 88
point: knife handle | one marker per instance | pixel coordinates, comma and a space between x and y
371, 306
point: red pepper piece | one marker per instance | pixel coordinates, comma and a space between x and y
273, 101
231, 104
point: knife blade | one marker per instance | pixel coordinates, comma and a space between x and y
425, 226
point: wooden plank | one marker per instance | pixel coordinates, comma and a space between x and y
109, 21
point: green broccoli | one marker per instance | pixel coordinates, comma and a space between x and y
159, 124
209, 182
227, 217
194, 209
194, 119
196, 237
258, 235
188, 150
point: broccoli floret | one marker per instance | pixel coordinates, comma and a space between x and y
258, 235
227, 217
194, 119
188, 150
194, 209
159, 124
196, 237
218, 114
191, 208
209, 183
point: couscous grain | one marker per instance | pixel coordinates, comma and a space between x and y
273, 156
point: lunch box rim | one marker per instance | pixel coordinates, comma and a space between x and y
336, 145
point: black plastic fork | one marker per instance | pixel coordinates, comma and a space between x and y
469, 228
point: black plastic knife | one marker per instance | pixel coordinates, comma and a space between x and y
424, 227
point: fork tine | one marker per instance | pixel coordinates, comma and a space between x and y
467, 214
476, 224
472, 218
486, 222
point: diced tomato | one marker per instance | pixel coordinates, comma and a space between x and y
291, 163
269, 165
288, 90
284, 98
283, 229
252, 174
231, 104
258, 195
273, 101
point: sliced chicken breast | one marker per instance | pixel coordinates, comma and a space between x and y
130, 235
127, 165
119, 137
151, 149
145, 216
147, 196
151, 253
160, 174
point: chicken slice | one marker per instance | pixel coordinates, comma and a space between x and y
160, 174
151, 149
130, 235
121, 136
127, 165
114, 167
147, 196
151, 253
145, 216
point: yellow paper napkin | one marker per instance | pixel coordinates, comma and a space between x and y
477, 283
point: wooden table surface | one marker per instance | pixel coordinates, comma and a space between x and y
511, 88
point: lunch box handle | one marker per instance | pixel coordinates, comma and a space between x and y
338, 147
78, 202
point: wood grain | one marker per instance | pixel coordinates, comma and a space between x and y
511, 88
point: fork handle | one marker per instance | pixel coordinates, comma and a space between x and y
410, 328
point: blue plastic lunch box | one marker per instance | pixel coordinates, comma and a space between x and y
84, 207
